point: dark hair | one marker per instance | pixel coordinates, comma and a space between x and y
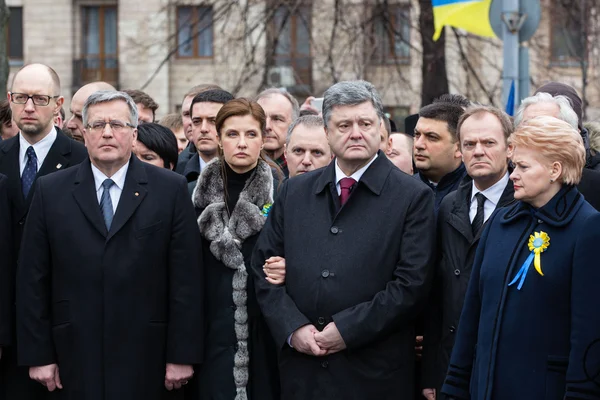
457, 99
143, 98
205, 87
160, 140
240, 108
5, 112
446, 112
211, 96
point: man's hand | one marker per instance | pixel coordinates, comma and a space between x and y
47, 375
429, 394
419, 347
303, 340
330, 339
177, 375
307, 105
274, 269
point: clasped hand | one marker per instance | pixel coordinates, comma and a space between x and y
309, 340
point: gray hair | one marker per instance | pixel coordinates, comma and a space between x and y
565, 108
310, 121
351, 93
273, 91
105, 96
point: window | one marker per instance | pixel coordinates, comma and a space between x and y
568, 44
391, 35
290, 35
99, 59
194, 32
14, 35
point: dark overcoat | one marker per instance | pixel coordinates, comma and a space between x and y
225, 315
110, 308
517, 344
456, 251
363, 266
6, 265
64, 152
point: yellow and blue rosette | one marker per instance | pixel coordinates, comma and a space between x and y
266, 209
538, 243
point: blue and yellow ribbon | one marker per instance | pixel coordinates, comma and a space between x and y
538, 243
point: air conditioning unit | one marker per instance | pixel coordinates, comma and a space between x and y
281, 77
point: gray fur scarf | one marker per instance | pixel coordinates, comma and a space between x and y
226, 235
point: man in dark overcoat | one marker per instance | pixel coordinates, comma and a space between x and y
357, 237
483, 133
39, 149
109, 283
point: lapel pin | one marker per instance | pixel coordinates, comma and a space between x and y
137, 193
58, 166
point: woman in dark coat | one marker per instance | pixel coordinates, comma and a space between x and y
233, 195
524, 328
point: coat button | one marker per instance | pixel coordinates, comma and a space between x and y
457, 272
22, 221
321, 321
325, 273
452, 329
334, 230
324, 364
540, 221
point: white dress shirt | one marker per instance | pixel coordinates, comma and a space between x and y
116, 189
492, 196
339, 174
202, 163
41, 148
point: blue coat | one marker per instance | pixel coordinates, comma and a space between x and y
516, 344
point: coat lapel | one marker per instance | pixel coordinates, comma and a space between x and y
85, 196
11, 167
134, 192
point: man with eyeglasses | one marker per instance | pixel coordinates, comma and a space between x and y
39, 149
75, 123
109, 299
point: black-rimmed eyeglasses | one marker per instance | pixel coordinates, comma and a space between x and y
38, 99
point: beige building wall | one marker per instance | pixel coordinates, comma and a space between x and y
147, 35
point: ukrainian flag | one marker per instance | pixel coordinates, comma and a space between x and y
471, 15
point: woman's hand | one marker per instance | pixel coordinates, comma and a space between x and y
274, 269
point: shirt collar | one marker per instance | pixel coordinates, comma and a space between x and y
494, 192
118, 177
43, 146
339, 174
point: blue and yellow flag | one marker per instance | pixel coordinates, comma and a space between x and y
471, 15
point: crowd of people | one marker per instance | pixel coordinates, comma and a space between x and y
257, 249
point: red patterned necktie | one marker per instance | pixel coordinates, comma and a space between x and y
346, 185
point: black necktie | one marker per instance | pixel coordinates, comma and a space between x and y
478, 220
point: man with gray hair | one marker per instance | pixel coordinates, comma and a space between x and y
356, 238
281, 109
109, 286
560, 106
306, 147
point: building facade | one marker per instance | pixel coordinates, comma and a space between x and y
165, 47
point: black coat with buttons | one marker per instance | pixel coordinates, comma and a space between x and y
456, 251
364, 266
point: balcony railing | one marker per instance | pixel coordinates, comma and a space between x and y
96, 68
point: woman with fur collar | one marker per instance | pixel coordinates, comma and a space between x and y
233, 196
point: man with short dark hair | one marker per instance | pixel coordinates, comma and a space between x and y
113, 308
356, 238
203, 113
436, 149
39, 149
483, 133
306, 147
190, 150
282, 109
146, 105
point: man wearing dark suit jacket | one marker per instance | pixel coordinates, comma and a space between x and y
357, 239
6, 302
39, 149
483, 133
109, 299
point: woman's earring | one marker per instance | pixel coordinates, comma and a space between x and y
551, 180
